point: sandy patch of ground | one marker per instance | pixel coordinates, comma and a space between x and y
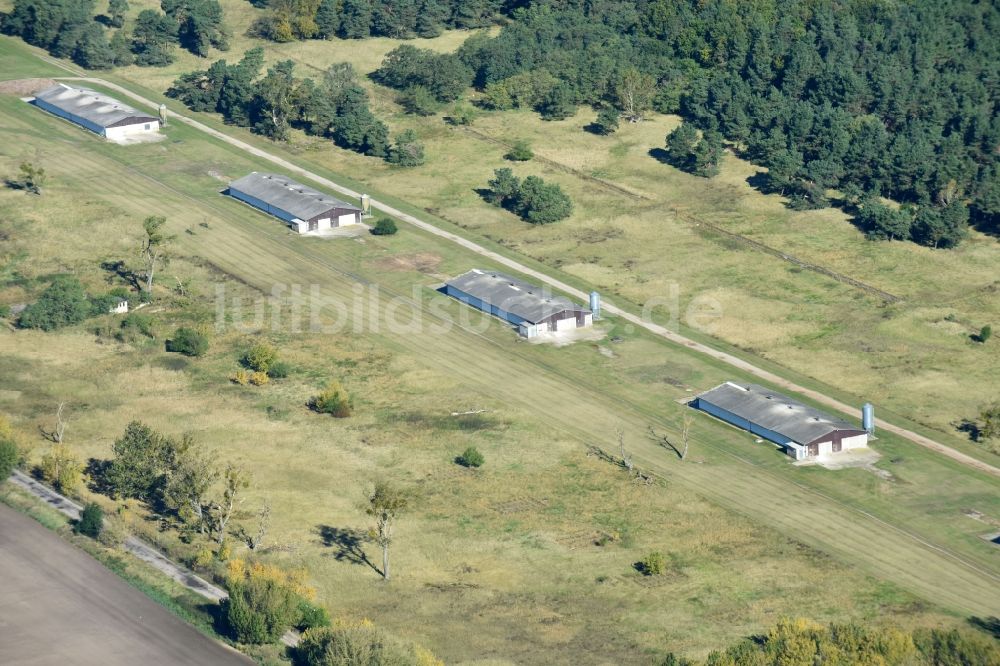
992, 537
149, 137
422, 262
865, 458
24, 86
563, 338
356, 231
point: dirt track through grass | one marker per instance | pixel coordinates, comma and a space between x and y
262, 254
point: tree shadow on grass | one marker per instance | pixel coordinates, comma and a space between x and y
990, 625
97, 471
348, 544
660, 155
121, 271
970, 428
483, 193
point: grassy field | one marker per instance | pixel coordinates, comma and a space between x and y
503, 557
914, 358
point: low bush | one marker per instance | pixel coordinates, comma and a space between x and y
471, 457
279, 370
114, 532
653, 564
260, 357
263, 601
333, 400
188, 341
312, 616
357, 645
10, 457
134, 327
259, 378
384, 227
91, 521
60, 469
259, 610
520, 152
63, 303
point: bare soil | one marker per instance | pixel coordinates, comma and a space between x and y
24, 86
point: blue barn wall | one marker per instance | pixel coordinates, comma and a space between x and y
55, 110
741, 422
485, 307
261, 204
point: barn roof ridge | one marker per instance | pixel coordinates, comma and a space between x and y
775, 411
92, 106
293, 197
523, 299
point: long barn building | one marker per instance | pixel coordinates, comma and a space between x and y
529, 307
96, 112
802, 431
302, 208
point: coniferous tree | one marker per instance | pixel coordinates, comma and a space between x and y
355, 19
432, 16
327, 19
153, 38
92, 49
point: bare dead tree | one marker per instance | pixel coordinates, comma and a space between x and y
686, 424
235, 480
664, 440
626, 459
182, 286
254, 541
60, 430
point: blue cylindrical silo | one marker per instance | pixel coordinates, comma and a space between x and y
868, 417
595, 304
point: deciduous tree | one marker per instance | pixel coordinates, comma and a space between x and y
634, 93
234, 481
385, 503
154, 246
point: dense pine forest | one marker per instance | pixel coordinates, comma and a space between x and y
846, 102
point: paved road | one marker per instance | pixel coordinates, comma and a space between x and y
662, 331
60, 606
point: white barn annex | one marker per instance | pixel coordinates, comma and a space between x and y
802, 431
96, 112
302, 208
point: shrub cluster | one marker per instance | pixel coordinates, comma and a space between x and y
384, 227
333, 400
532, 199
188, 341
471, 457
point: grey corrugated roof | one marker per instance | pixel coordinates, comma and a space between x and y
520, 298
282, 192
91, 105
760, 405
